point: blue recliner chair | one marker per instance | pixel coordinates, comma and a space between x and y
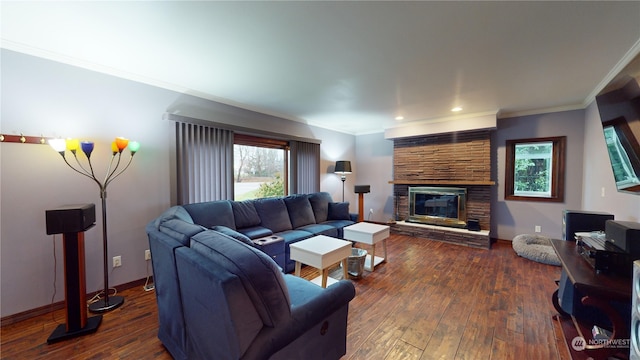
239, 305
219, 298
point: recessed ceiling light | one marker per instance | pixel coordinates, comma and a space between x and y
398, 118
456, 109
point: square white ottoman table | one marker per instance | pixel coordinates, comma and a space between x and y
321, 252
370, 234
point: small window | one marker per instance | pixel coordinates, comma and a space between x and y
535, 169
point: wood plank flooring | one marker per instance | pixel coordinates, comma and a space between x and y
430, 301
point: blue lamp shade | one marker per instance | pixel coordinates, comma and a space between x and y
87, 147
343, 167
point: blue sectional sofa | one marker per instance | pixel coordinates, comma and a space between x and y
220, 297
293, 218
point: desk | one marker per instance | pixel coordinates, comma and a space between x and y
598, 290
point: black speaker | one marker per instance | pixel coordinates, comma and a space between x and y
70, 218
362, 189
574, 221
473, 225
625, 235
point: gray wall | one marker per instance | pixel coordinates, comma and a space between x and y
42, 97
374, 166
509, 218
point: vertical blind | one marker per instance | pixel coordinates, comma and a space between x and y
204, 163
305, 167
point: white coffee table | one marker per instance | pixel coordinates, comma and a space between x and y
321, 252
370, 234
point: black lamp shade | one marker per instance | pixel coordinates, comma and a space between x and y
343, 167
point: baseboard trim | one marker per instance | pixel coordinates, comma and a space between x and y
28, 314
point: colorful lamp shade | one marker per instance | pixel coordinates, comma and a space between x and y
134, 146
87, 148
58, 145
72, 145
121, 143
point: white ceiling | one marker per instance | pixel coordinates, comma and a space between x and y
350, 66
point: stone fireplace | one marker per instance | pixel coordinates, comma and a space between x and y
461, 160
435, 205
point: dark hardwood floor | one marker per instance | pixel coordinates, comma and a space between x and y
430, 301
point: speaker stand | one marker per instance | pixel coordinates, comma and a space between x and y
360, 207
61, 333
77, 323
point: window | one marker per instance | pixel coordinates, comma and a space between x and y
535, 169
215, 162
260, 167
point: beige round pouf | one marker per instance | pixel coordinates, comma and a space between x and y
535, 247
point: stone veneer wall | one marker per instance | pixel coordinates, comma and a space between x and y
449, 160
445, 157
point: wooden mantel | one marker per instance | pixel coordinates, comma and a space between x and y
442, 182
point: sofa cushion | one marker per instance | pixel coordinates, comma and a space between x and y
259, 274
179, 230
300, 211
338, 211
320, 229
320, 205
273, 214
175, 212
212, 213
234, 234
255, 232
245, 214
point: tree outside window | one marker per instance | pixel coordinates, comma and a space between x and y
535, 169
260, 167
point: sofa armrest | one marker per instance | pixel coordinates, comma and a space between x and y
167, 290
310, 305
316, 309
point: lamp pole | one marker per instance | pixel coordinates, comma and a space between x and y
107, 303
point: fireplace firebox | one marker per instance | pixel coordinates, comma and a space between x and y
445, 206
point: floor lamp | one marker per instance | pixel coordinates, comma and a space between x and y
113, 171
343, 167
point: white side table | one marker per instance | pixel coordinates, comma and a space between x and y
321, 252
370, 234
